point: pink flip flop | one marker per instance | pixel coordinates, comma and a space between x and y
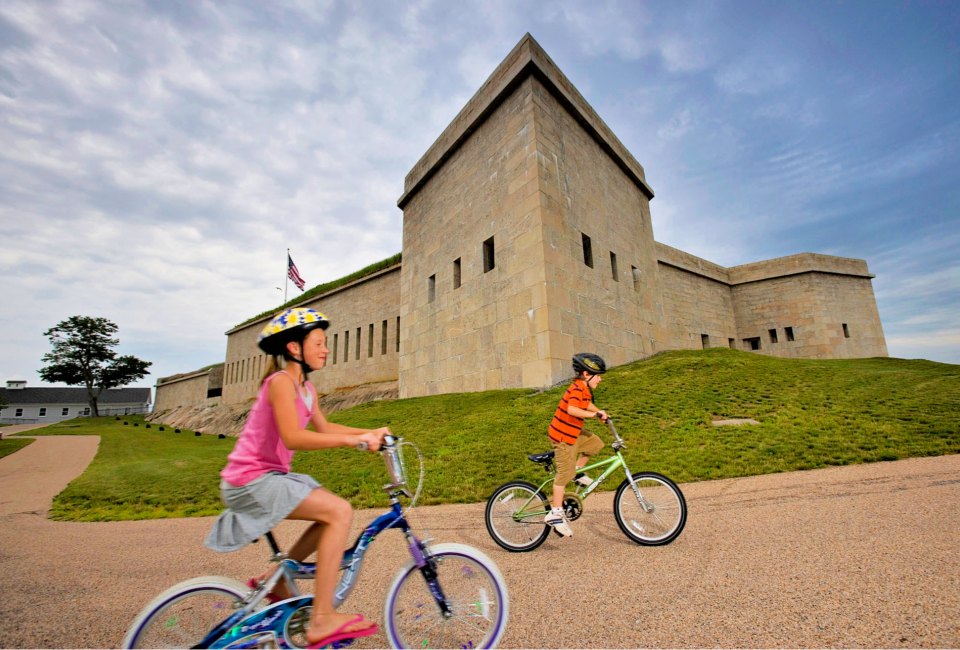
340, 634
270, 598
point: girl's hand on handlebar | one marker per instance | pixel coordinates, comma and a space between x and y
373, 439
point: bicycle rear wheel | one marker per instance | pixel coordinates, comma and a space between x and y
514, 516
183, 615
472, 588
655, 514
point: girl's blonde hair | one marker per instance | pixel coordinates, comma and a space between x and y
273, 365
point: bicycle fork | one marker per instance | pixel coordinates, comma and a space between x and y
428, 569
645, 505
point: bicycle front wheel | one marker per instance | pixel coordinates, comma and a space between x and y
183, 615
652, 515
514, 516
475, 600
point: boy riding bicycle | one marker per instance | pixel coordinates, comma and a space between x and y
571, 444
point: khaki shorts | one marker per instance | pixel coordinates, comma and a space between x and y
565, 456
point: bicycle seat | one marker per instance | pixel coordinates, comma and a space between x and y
542, 458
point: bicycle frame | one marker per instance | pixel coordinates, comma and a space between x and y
245, 622
612, 464
615, 462
466, 604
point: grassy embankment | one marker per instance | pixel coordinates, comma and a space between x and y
811, 414
10, 445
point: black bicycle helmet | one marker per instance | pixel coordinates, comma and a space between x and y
589, 362
290, 325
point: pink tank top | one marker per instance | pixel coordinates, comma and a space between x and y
260, 448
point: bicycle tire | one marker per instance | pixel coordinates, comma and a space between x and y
659, 519
183, 614
471, 584
510, 531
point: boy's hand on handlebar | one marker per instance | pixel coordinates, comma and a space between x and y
602, 415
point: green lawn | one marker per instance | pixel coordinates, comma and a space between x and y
811, 414
10, 445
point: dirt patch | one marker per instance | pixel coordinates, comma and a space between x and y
733, 422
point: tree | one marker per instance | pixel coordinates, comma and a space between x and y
83, 355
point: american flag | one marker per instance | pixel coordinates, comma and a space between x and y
293, 273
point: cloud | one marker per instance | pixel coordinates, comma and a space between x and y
159, 158
681, 123
942, 345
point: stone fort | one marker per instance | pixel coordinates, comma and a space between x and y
526, 238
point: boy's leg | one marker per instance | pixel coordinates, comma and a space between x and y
334, 515
564, 457
565, 460
556, 498
586, 446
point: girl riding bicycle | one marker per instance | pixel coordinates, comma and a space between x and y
258, 487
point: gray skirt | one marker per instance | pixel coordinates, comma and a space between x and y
256, 508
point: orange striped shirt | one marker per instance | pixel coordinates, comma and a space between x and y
565, 427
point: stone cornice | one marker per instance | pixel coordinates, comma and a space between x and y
765, 270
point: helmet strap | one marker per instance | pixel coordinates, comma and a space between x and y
305, 368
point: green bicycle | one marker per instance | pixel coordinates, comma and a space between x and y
649, 507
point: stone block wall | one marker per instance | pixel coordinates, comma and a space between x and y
811, 315
523, 173
601, 274
698, 310
802, 306
182, 390
474, 223
362, 337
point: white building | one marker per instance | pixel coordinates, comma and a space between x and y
46, 405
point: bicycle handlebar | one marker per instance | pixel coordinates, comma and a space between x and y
613, 429
388, 441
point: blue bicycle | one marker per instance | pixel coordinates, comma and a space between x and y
448, 596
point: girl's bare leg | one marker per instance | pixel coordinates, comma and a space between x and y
300, 551
307, 544
334, 515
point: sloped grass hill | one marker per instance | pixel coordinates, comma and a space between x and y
811, 414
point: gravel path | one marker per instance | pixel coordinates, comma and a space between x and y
862, 556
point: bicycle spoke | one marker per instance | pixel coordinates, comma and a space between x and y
514, 516
475, 599
654, 512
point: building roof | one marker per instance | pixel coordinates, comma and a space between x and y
53, 395
527, 58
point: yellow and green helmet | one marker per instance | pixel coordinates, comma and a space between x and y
290, 325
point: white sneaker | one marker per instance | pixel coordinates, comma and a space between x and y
583, 480
558, 522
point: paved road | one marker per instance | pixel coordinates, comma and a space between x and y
863, 556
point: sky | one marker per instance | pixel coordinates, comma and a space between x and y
157, 159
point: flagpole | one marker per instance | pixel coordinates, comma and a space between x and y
286, 277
